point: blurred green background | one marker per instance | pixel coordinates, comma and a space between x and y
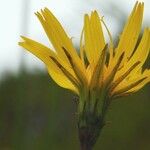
36, 114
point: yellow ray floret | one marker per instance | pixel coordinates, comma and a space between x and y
44, 53
131, 32
93, 36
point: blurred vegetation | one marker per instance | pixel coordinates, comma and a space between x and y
36, 114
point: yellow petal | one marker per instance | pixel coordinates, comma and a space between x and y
53, 37
94, 38
77, 69
39, 50
143, 83
124, 88
44, 54
109, 76
59, 77
142, 51
87, 38
132, 84
57, 35
89, 72
124, 76
73, 80
59, 38
131, 32
58, 30
97, 75
140, 54
97, 35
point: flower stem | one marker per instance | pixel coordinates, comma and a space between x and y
86, 147
85, 141
89, 133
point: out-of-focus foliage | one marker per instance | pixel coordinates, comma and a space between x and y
36, 114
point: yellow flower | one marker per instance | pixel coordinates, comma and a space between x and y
100, 72
119, 70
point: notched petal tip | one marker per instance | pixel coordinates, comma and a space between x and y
20, 43
95, 11
37, 13
86, 16
23, 37
24, 40
47, 10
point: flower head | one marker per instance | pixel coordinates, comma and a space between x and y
100, 72
99, 65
